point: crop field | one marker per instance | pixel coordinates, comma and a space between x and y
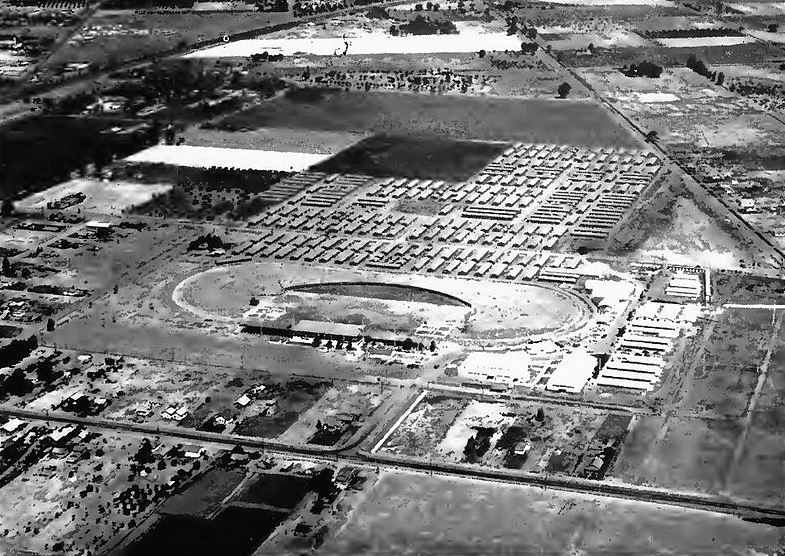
759, 474
204, 497
725, 376
468, 39
266, 139
118, 35
533, 120
432, 158
235, 531
685, 453
418, 513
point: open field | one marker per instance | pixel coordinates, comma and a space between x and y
690, 454
113, 36
100, 197
534, 120
436, 515
272, 139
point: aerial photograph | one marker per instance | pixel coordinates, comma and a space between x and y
383, 277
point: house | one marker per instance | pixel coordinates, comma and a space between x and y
243, 400
192, 451
12, 425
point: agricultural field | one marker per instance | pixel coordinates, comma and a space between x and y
716, 426
533, 120
111, 37
432, 158
440, 515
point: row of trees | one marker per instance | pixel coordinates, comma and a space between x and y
699, 67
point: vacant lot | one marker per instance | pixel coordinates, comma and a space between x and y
532, 120
411, 157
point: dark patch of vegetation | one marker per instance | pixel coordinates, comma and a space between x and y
423, 158
644, 69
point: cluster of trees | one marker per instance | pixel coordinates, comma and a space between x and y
529, 47
515, 26
699, 67
424, 26
266, 57
408, 345
16, 350
338, 344
644, 69
208, 241
756, 88
477, 445
300, 9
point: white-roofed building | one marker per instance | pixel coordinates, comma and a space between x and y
573, 372
510, 367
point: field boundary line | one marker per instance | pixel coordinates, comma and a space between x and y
400, 420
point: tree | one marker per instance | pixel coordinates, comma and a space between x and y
329, 344
7, 270
564, 90
651, 136
6, 208
481, 53
317, 341
470, 450
540, 415
432, 347
590, 48
254, 302
720, 78
115, 289
50, 325
408, 344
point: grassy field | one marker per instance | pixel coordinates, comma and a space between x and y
725, 376
533, 120
416, 514
432, 158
